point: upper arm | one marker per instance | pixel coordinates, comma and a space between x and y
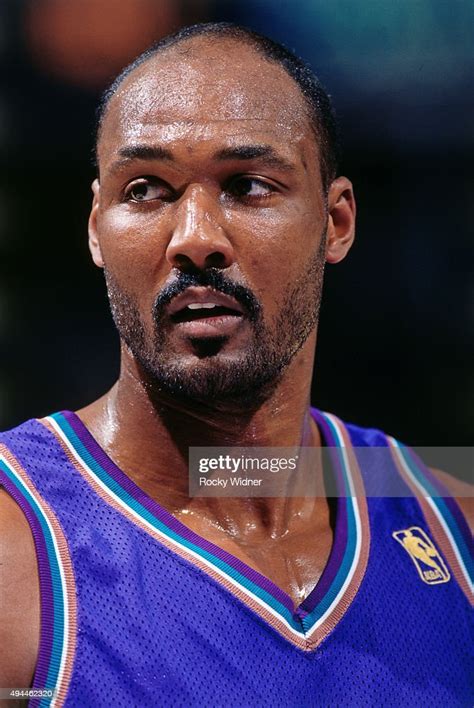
19, 597
463, 493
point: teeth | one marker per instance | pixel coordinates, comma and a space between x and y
201, 305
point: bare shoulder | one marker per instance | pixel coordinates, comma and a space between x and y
463, 492
19, 597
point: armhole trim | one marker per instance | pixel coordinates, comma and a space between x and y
57, 586
442, 514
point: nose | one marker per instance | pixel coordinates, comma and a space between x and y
199, 240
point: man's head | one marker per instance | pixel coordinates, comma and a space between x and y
215, 211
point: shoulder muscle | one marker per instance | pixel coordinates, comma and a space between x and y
463, 492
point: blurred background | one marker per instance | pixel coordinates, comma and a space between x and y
396, 344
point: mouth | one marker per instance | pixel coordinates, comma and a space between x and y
203, 312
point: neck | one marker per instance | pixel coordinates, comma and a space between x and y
148, 433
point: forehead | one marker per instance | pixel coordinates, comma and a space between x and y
206, 88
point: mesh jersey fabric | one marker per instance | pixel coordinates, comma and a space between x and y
152, 627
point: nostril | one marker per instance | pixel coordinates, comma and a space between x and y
184, 263
216, 260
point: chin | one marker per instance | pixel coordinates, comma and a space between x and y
224, 378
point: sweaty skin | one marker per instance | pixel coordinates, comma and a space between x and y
180, 191
200, 104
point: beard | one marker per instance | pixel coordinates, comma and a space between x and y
214, 377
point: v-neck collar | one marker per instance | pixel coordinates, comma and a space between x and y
305, 626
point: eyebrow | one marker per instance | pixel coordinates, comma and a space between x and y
265, 154
140, 152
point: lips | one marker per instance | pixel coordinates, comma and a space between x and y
202, 314
199, 303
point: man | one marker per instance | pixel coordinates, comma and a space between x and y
216, 206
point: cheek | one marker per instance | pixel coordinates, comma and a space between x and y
132, 248
274, 251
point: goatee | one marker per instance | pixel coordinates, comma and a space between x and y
214, 377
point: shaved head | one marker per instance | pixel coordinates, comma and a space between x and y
315, 99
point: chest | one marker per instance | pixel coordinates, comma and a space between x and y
294, 563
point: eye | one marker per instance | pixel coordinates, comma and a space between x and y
248, 187
146, 189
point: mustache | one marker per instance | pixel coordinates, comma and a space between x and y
211, 278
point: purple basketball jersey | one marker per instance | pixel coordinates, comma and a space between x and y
137, 610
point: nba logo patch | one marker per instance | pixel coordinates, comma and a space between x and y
421, 549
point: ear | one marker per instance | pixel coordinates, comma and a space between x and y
341, 220
94, 245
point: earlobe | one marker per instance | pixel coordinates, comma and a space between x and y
94, 245
341, 220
